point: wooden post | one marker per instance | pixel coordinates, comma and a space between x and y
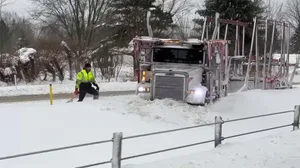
296, 118
218, 130
15, 79
117, 150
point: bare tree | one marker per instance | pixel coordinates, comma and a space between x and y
51, 57
293, 12
5, 2
17, 27
176, 6
183, 28
76, 22
274, 10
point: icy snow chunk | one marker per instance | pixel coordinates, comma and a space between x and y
25, 54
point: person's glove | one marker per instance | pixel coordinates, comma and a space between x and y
97, 87
76, 91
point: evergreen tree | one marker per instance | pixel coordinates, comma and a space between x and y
4, 36
295, 41
131, 18
242, 10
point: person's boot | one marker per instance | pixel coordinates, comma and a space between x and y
95, 97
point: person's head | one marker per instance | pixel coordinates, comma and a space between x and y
87, 67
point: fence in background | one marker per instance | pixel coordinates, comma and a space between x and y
118, 139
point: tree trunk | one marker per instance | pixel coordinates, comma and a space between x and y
32, 63
70, 68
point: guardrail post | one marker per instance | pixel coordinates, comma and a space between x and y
117, 150
218, 130
296, 117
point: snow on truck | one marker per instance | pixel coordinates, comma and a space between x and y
192, 71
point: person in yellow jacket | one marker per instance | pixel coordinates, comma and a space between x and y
84, 80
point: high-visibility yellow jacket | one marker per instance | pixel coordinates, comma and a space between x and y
84, 77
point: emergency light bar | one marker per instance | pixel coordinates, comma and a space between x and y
169, 41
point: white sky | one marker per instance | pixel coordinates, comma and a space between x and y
22, 6
19, 6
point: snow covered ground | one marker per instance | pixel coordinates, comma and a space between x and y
27, 127
277, 151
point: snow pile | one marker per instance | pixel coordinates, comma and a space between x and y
62, 88
167, 110
26, 54
2, 84
276, 151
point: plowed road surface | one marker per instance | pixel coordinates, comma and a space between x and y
24, 98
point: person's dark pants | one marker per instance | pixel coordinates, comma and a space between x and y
87, 88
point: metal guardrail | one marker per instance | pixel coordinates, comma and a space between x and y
118, 138
54, 149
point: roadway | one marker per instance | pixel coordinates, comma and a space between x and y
26, 98
233, 87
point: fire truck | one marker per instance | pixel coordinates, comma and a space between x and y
192, 71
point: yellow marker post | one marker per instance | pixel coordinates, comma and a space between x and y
51, 95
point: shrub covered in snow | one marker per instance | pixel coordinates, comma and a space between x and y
26, 54
17, 64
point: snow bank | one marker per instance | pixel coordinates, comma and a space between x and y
277, 151
169, 111
61, 88
35, 126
